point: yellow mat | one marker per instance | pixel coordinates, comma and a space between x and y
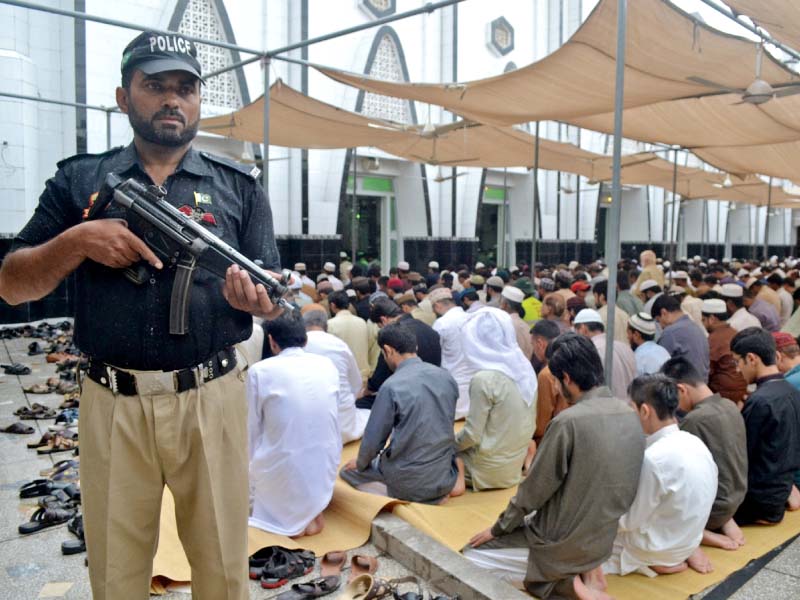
349, 516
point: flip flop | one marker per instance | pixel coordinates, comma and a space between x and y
357, 588
361, 564
60, 466
40, 487
18, 427
315, 588
332, 563
35, 407
37, 415
44, 518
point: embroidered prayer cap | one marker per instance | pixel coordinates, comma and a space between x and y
783, 340
643, 323
513, 293
587, 315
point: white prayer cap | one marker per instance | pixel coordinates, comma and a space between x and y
513, 293
667, 264
714, 306
572, 265
342, 254
647, 284
643, 323
676, 290
322, 277
329, 267
680, 275
712, 261
479, 265
299, 266
403, 266
697, 258
731, 290
495, 281
587, 315
660, 267
433, 265
440, 294
513, 269
756, 272
351, 293
742, 273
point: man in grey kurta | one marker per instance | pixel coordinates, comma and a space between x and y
718, 422
415, 407
583, 479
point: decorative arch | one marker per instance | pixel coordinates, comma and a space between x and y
209, 19
386, 41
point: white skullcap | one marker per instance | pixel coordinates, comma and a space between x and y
513, 293
479, 265
513, 269
433, 265
329, 267
680, 275
647, 284
712, 261
676, 289
403, 266
351, 293
572, 265
587, 315
714, 306
643, 323
752, 282
667, 264
731, 290
299, 266
742, 273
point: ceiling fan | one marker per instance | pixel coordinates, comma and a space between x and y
759, 91
441, 178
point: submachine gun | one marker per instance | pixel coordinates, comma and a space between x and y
177, 240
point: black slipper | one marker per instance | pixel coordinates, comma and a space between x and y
18, 427
40, 487
16, 369
44, 518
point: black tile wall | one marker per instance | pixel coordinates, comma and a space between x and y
448, 252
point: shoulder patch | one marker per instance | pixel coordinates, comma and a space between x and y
76, 157
249, 170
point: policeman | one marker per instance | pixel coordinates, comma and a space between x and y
156, 408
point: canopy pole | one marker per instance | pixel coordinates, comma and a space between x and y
766, 221
704, 231
535, 201
108, 130
265, 62
672, 226
354, 217
612, 241
506, 221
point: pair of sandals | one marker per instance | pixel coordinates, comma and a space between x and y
63, 441
75, 527
35, 412
367, 587
16, 369
274, 566
45, 518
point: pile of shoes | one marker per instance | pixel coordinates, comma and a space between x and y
274, 566
59, 499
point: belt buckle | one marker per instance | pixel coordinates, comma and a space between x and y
155, 382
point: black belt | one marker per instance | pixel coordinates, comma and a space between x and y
161, 382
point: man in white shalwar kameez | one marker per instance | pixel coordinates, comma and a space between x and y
295, 445
450, 327
352, 420
662, 530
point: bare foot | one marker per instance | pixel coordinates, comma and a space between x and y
670, 570
585, 593
718, 540
461, 486
595, 579
700, 562
793, 503
313, 528
731, 529
526, 466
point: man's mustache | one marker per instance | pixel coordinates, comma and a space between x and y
174, 114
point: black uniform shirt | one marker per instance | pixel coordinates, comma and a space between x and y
125, 324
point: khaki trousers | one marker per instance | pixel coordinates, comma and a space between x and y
194, 442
